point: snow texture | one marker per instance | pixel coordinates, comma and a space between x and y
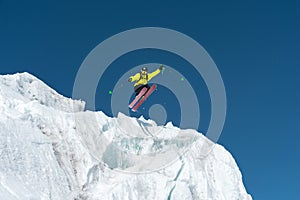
50, 148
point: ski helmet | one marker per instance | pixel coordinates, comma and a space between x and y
145, 69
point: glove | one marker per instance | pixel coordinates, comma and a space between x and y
130, 79
161, 67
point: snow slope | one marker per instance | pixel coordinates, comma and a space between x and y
50, 148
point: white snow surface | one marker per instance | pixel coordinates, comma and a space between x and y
51, 148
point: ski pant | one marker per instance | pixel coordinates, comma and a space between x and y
138, 88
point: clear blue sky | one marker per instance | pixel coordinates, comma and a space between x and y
254, 43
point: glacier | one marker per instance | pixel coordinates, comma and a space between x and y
52, 148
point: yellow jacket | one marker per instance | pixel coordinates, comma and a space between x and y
143, 80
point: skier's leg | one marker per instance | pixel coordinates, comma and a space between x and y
147, 86
138, 90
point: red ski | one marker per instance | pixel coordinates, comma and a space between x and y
142, 92
149, 92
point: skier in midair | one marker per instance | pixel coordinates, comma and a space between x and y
142, 79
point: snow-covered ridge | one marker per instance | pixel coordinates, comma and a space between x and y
28, 88
50, 148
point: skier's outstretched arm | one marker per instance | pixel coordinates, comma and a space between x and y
134, 78
156, 72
